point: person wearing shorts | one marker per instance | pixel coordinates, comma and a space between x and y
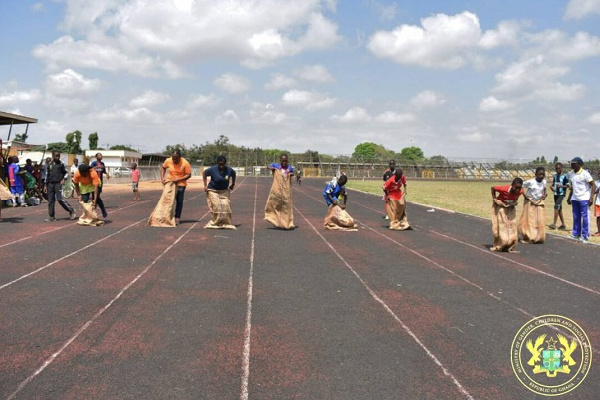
135, 180
560, 183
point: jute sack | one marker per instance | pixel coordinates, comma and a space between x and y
5, 193
504, 226
164, 212
338, 219
532, 224
279, 209
396, 211
219, 204
88, 217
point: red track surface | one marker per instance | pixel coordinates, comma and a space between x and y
130, 311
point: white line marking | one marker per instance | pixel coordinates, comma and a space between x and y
69, 255
539, 271
248, 329
97, 315
432, 356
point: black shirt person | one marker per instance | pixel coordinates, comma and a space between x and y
54, 180
221, 176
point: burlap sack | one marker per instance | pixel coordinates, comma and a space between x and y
5, 193
220, 207
338, 219
89, 217
504, 226
279, 209
532, 224
396, 211
164, 213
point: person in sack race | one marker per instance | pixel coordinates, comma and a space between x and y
395, 203
55, 178
532, 224
135, 181
560, 184
279, 209
101, 170
222, 182
581, 196
87, 184
180, 171
387, 174
504, 214
337, 217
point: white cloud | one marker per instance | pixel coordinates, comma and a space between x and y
535, 78
162, 37
427, 98
355, 114
312, 101
507, 34
228, 117
474, 137
35, 7
280, 81
578, 9
70, 83
27, 96
491, 103
232, 83
314, 73
265, 114
136, 115
201, 101
440, 42
149, 98
559, 47
391, 117
594, 118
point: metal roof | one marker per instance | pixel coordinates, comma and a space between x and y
14, 119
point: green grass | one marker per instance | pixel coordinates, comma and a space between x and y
471, 197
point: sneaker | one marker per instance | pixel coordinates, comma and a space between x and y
584, 239
24, 205
72, 216
552, 226
50, 219
562, 227
574, 237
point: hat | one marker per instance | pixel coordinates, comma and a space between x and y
577, 160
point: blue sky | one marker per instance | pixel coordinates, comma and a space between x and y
475, 79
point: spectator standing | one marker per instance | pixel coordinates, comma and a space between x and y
580, 198
135, 181
56, 175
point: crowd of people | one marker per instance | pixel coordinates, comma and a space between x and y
33, 184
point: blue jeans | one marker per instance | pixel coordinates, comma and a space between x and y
179, 201
580, 214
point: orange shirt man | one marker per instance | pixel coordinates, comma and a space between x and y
180, 171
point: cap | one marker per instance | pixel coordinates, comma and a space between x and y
577, 160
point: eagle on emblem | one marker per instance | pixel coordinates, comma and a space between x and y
535, 349
567, 349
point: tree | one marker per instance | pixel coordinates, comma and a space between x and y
74, 142
310, 156
412, 153
57, 146
122, 147
555, 160
93, 141
365, 151
438, 160
21, 137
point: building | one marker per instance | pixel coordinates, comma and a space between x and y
115, 158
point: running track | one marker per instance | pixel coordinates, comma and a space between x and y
126, 311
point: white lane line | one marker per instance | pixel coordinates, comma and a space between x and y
69, 255
467, 281
248, 329
64, 226
538, 271
97, 315
432, 356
